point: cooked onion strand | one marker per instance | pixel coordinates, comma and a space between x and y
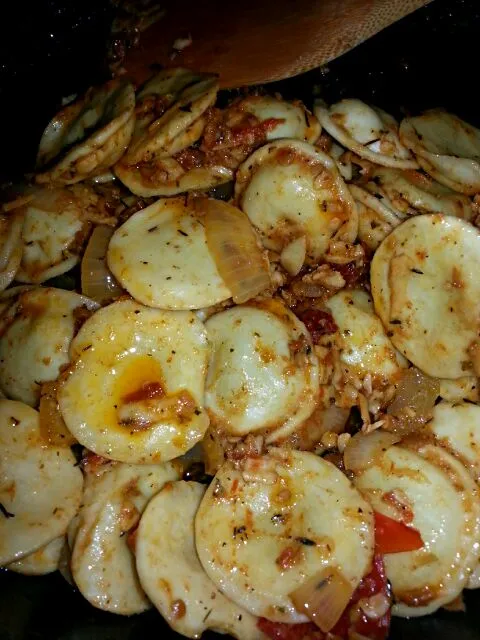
364, 448
232, 242
97, 281
324, 598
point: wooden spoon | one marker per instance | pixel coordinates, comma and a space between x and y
255, 41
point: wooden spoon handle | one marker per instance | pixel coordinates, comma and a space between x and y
257, 41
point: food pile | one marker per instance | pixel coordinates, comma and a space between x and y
239, 352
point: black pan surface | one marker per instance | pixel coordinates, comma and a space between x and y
53, 48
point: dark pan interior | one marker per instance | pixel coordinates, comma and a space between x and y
429, 59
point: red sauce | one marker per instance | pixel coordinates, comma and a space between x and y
280, 631
254, 134
375, 582
353, 274
91, 462
319, 323
146, 392
353, 618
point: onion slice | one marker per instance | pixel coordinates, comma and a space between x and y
97, 281
364, 448
414, 401
233, 244
293, 256
324, 597
52, 426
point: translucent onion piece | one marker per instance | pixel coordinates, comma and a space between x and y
233, 244
52, 426
293, 256
97, 281
309, 435
364, 449
414, 400
213, 451
324, 598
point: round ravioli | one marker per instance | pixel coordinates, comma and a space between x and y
160, 256
447, 148
11, 247
171, 573
289, 189
35, 336
57, 223
88, 136
41, 486
364, 346
368, 131
437, 497
103, 565
268, 524
287, 120
158, 138
457, 427
134, 391
263, 373
375, 219
426, 291
42, 561
411, 192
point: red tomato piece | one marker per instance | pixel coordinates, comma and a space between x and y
353, 618
319, 323
392, 536
372, 584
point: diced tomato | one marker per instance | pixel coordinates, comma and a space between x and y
372, 584
319, 323
350, 272
353, 618
392, 536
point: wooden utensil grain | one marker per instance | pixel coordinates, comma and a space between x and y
257, 41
